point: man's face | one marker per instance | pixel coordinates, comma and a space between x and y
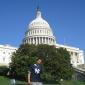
39, 61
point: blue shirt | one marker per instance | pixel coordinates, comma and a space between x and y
35, 70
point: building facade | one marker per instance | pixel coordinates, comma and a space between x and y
76, 55
6, 52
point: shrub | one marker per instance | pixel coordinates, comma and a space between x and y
3, 70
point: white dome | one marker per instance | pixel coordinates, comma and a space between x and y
39, 32
39, 22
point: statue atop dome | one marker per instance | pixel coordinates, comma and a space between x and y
38, 12
38, 8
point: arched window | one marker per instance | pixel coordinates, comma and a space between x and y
3, 59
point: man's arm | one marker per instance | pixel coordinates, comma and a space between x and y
29, 80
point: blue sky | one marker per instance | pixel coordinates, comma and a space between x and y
66, 18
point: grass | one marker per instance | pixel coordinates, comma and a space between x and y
72, 83
6, 81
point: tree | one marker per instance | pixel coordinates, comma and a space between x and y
22, 59
65, 68
56, 63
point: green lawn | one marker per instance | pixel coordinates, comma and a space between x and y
72, 83
6, 81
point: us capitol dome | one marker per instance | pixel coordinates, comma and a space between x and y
39, 32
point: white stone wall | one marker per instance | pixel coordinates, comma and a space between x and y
5, 54
76, 55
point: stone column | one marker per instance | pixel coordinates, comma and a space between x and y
26, 41
75, 59
36, 41
29, 40
48, 40
39, 40
45, 40
42, 40
33, 41
53, 41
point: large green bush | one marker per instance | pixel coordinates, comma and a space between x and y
3, 70
56, 63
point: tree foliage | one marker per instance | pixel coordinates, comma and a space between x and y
56, 64
3, 70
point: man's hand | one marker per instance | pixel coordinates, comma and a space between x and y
29, 83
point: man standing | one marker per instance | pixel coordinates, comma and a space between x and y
12, 74
34, 77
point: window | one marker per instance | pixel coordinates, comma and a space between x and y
3, 59
71, 53
35, 31
76, 54
3, 52
29, 33
9, 53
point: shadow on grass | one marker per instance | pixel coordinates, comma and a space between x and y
21, 84
51, 82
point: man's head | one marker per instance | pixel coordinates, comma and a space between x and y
39, 60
